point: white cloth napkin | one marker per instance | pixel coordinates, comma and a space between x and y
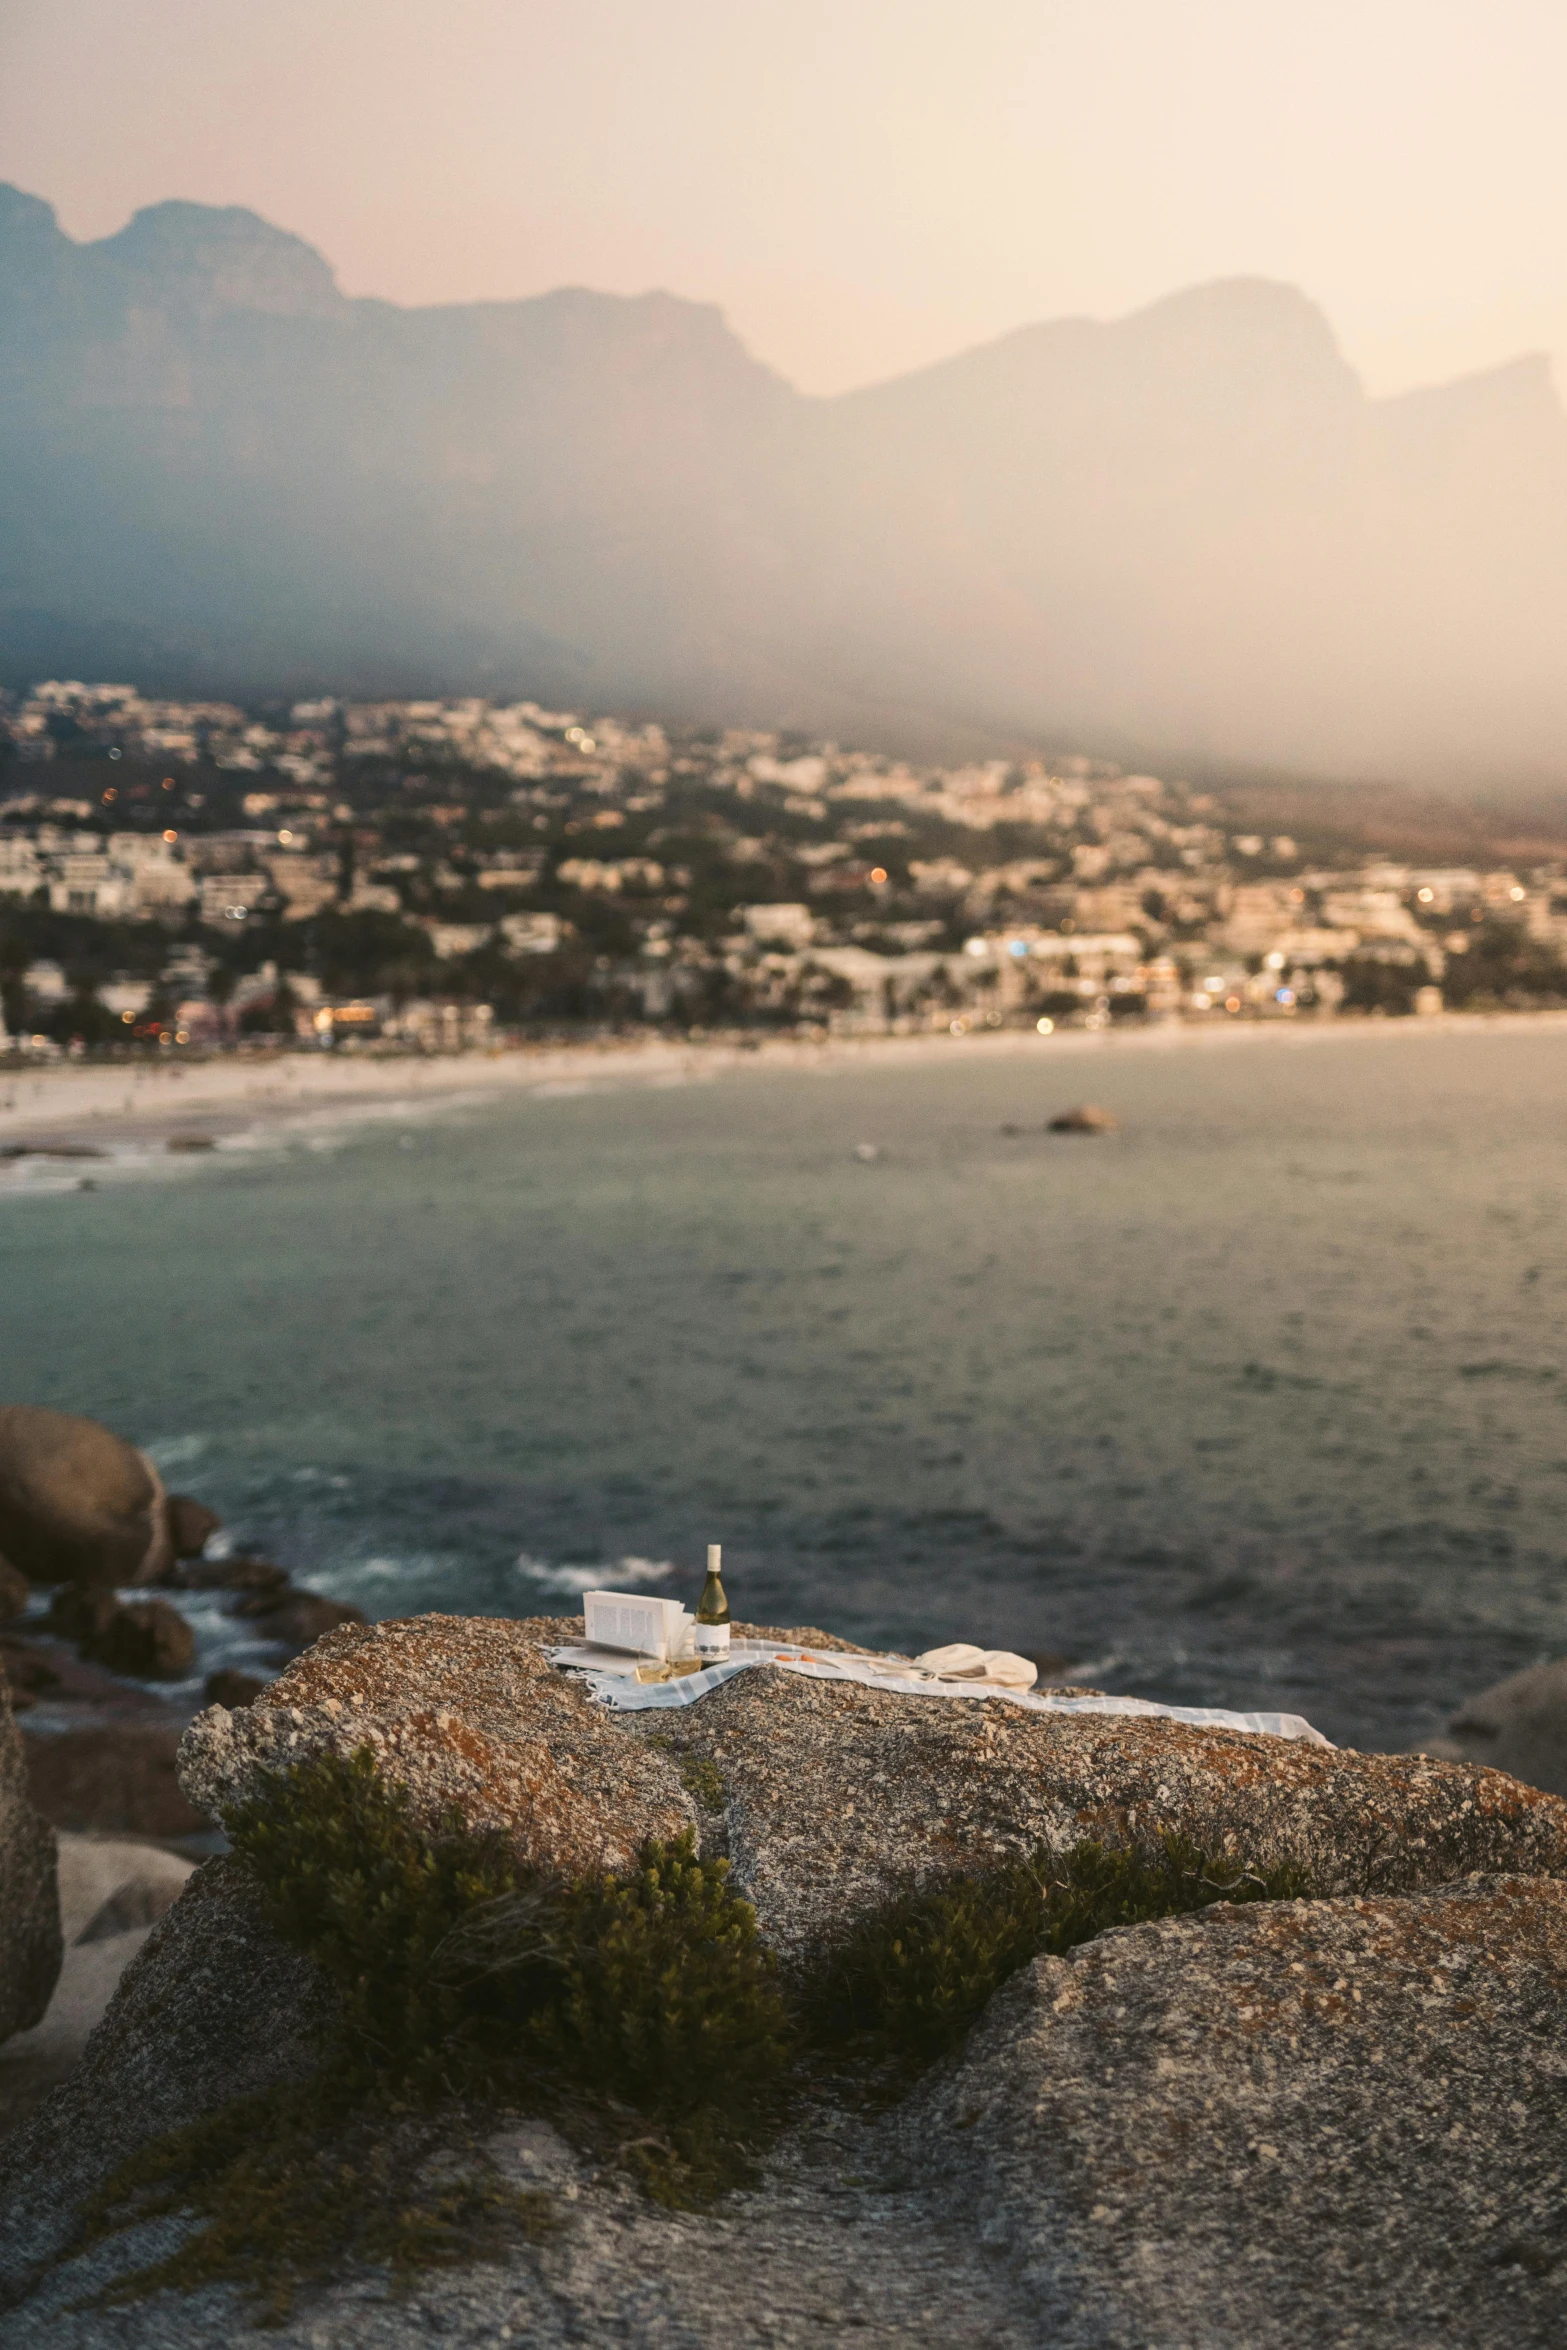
910, 1678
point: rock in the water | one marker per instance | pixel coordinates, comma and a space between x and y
113, 1778
15, 1592
55, 1675
834, 1795
190, 1523
30, 1940
1519, 1726
231, 1574
1087, 1118
77, 1503
296, 1618
147, 1640
234, 1689
81, 1615
1292, 2124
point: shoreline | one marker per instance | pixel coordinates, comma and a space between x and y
64, 1106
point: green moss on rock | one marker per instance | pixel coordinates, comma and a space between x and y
913, 1979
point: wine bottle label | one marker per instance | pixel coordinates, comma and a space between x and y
712, 1642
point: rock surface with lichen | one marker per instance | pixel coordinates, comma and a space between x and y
468, 1715
827, 1796
1291, 2124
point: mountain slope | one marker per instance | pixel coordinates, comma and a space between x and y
1187, 530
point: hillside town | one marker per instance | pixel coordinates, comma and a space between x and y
452, 875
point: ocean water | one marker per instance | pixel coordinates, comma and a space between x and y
1259, 1401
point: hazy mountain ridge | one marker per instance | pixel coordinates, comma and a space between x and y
1188, 530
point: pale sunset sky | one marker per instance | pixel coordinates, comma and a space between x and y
862, 185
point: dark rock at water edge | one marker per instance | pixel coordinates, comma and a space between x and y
81, 1614
296, 1618
77, 1503
15, 1592
233, 1689
45, 1671
112, 1778
191, 1524
239, 1573
1518, 1726
1088, 1118
30, 1942
147, 1640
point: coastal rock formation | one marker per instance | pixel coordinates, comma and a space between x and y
827, 1797
190, 1524
112, 1778
146, 1639
468, 1715
15, 1592
30, 1943
1308, 2122
1289, 2123
1518, 1726
296, 1619
77, 1503
834, 1795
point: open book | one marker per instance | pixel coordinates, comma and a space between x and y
637, 1627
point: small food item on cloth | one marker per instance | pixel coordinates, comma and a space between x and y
960, 1656
961, 1661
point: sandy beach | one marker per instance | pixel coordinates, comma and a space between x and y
71, 1107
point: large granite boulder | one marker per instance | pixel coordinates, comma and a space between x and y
77, 1503
1293, 2124
828, 1796
30, 1942
466, 1713
1518, 1726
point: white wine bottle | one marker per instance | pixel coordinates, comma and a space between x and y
712, 1612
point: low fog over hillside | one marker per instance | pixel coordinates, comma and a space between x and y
1188, 533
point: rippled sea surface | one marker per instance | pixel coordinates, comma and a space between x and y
1259, 1401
